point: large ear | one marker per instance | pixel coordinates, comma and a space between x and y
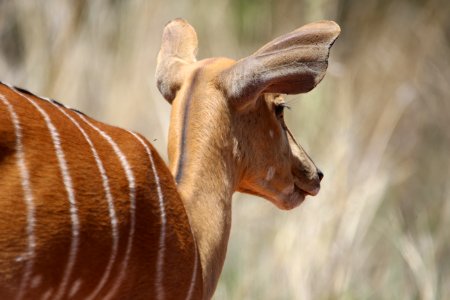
291, 64
178, 49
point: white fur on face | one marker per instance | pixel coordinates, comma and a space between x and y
270, 174
288, 190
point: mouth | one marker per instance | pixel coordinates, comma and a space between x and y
291, 200
312, 192
287, 199
296, 197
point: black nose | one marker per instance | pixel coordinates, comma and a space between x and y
320, 174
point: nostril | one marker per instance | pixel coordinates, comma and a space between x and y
320, 174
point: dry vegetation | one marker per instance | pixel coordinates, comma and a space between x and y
378, 126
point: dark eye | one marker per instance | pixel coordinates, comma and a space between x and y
279, 109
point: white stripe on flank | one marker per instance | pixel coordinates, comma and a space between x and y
75, 287
109, 200
28, 199
47, 294
67, 180
194, 272
159, 287
132, 187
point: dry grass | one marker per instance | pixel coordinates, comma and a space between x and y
378, 126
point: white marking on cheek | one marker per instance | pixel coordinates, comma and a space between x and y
288, 190
270, 173
36, 281
75, 288
235, 148
271, 133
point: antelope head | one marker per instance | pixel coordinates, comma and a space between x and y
231, 112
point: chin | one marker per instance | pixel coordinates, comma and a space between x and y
282, 200
290, 201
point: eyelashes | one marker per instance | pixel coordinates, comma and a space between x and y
284, 105
279, 109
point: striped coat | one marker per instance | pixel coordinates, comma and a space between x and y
87, 210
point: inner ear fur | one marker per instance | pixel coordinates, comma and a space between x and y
291, 64
178, 49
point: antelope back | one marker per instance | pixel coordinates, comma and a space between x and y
87, 210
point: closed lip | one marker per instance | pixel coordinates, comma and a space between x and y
286, 201
295, 198
312, 192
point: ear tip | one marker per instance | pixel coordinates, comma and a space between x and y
335, 29
176, 21
179, 24
331, 27
181, 38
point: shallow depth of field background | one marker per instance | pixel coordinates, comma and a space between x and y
378, 126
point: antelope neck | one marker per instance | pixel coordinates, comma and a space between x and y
206, 196
186, 110
205, 176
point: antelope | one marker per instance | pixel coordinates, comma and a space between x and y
91, 211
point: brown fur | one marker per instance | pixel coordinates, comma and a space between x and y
226, 130
227, 134
53, 229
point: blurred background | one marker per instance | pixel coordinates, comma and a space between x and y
378, 126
